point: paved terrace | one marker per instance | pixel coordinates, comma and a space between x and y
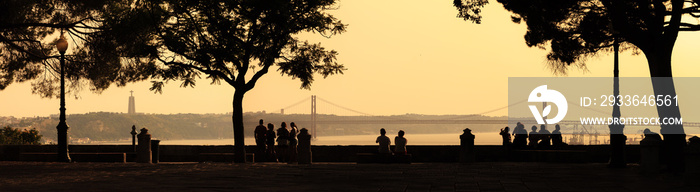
483, 176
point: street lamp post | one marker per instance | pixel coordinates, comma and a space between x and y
617, 135
62, 127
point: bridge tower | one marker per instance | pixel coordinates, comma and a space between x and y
544, 105
313, 115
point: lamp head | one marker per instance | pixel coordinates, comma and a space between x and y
62, 44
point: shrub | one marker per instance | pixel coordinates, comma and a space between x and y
10, 136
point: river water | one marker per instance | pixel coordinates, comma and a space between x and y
486, 138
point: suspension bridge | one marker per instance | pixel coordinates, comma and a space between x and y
310, 106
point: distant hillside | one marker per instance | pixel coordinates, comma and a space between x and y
104, 126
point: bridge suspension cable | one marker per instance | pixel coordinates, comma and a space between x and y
587, 108
489, 111
297, 103
498, 109
336, 105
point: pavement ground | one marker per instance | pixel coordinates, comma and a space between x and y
482, 176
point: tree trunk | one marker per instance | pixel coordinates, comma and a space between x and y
238, 133
674, 135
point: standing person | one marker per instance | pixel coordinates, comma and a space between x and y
400, 142
260, 137
293, 130
283, 143
520, 133
506, 136
534, 138
545, 139
384, 142
271, 155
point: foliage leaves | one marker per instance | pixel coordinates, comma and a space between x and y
225, 40
11, 136
96, 54
574, 30
470, 10
307, 59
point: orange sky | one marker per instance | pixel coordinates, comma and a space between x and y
402, 57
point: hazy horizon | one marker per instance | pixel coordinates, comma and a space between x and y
247, 112
412, 57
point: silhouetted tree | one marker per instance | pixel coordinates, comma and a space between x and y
29, 30
237, 42
11, 136
577, 29
470, 10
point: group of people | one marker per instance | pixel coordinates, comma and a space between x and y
542, 139
285, 137
385, 142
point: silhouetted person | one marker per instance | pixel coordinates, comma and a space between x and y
652, 154
533, 137
283, 143
293, 130
270, 141
652, 135
520, 140
260, 132
545, 139
506, 136
400, 142
556, 136
384, 142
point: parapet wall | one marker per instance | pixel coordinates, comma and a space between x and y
420, 153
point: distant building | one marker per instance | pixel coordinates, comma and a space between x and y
132, 104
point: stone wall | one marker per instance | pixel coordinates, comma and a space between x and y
449, 153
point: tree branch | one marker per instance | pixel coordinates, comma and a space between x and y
216, 73
689, 27
51, 25
671, 32
251, 84
20, 48
223, 66
24, 40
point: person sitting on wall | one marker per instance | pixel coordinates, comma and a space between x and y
384, 142
556, 137
652, 135
400, 142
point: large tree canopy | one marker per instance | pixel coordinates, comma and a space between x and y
29, 29
122, 41
574, 30
226, 39
237, 41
